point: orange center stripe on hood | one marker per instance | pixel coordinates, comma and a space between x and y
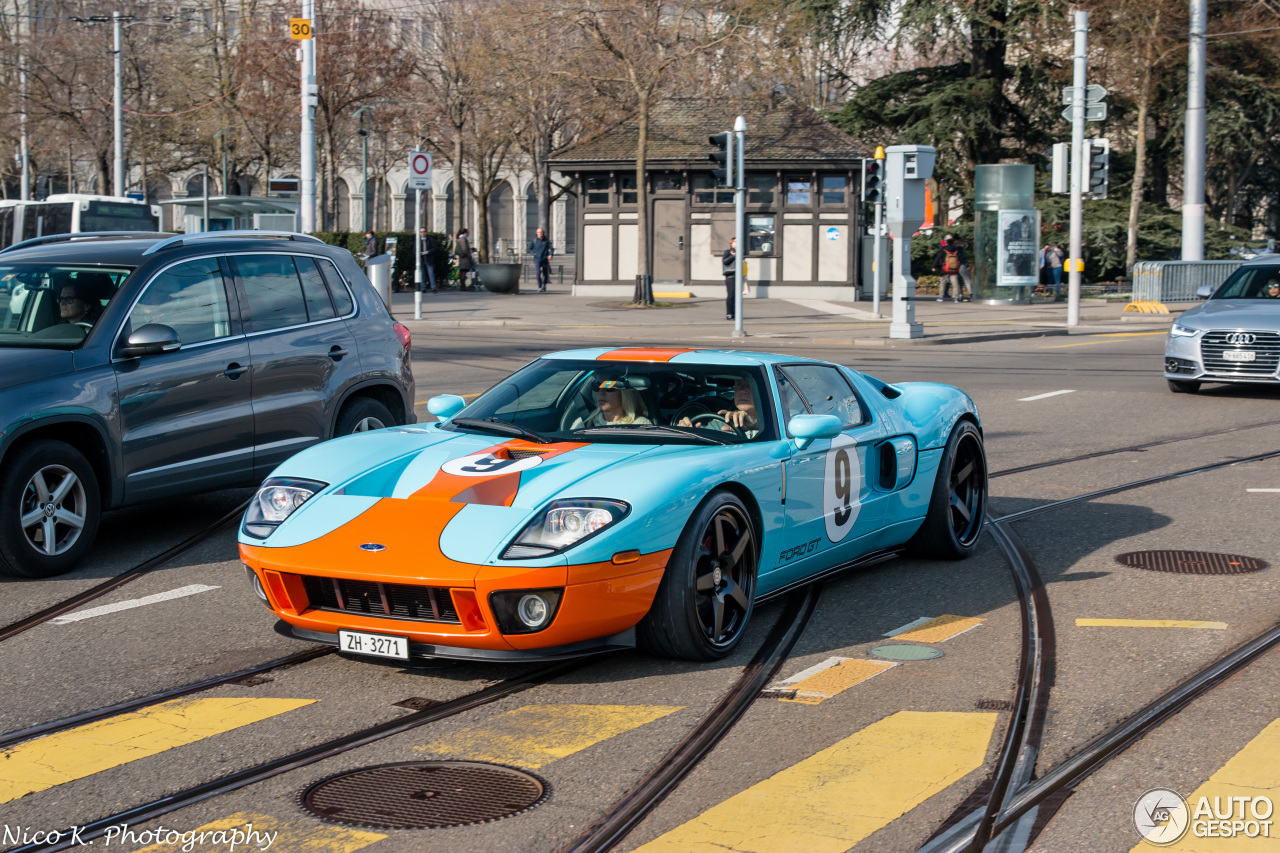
496, 490
643, 354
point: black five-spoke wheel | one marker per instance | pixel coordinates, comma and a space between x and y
958, 505
706, 597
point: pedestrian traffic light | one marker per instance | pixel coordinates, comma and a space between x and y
723, 155
873, 181
1097, 156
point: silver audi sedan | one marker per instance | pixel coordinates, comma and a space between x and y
1234, 336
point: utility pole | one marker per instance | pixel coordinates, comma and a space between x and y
308, 137
740, 223
1075, 261
204, 203
222, 134
117, 118
24, 143
1194, 141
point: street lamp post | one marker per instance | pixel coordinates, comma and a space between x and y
117, 118
222, 132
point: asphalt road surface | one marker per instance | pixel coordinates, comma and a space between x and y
845, 750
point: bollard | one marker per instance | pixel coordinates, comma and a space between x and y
378, 268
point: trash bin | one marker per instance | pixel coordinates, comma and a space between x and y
378, 268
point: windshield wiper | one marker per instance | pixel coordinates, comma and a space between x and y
501, 427
683, 432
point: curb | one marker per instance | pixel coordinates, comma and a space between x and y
944, 340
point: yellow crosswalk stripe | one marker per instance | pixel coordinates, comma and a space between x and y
287, 836
835, 798
40, 764
539, 734
1149, 623
942, 628
1254, 771
830, 681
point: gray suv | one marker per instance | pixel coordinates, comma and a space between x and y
135, 367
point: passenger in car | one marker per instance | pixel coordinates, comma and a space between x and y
742, 417
617, 404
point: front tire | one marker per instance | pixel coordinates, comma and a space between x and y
958, 505
49, 510
708, 591
362, 415
1183, 386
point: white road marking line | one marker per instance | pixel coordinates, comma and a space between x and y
813, 670
180, 592
1262, 490
1043, 396
914, 623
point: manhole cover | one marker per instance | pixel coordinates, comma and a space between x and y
1191, 562
424, 794
905, 652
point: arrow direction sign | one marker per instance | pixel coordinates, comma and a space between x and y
1092, 112
1092, 94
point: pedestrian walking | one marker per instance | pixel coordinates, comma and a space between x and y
1053, 257
427, 246
370, 245
462, 248
542, 250
948, 261
729, 262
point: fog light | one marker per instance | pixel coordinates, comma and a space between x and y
524, 611
256, 583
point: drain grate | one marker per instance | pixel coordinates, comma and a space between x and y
424, 795
1191, 562
906, 652
994, 705
417, 703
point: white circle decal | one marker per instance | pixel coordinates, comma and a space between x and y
488, 465
1160, 816
841, 487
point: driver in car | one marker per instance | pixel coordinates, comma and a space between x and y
617, 404
74, 307
1272, 290
742, 417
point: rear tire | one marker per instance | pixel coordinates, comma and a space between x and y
707, 594
49, 510
1184, 386
958, 505
362, 415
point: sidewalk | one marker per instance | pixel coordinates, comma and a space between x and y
702, 321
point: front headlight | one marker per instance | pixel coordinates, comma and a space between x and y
276, 501
1183, 331
564, 524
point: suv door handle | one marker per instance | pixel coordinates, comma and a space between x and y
234, 370
336, 352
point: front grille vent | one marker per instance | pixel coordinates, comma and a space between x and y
385, 600
1265, 347
524, 454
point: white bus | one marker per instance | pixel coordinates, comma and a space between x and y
73, 213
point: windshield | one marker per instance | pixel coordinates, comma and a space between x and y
53, 305
118, 216
652, 403
1252, 282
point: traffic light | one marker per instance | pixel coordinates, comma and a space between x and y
723, 155
873, 181
1097, 155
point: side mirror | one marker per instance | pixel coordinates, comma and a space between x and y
806, 429
1204, 291
446, 406
151, 339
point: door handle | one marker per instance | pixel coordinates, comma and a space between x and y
234, 370
336, 352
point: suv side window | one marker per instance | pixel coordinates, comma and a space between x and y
274, 292
341, 296
190, 298
826, 391
313, 290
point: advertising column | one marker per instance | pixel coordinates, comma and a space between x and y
1006, 234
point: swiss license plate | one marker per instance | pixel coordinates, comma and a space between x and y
378, 645
1239, 355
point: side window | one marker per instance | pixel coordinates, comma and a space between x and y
313, 290
826, 391
189, 298
275, 295
792, 405
341, 296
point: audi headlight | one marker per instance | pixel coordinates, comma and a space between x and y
562, 525
1183, 331
276, 501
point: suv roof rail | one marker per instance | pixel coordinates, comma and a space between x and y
80, 235
179, 239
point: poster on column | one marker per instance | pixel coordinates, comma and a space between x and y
1017, 247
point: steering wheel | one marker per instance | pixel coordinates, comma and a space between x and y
712, 417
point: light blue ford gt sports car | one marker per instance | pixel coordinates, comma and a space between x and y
598, 498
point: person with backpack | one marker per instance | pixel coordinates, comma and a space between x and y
948, 261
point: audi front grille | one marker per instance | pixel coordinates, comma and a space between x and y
1264, 345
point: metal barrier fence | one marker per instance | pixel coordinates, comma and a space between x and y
1177, 281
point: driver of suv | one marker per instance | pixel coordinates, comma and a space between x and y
1272, 290
77, 306
742, 418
